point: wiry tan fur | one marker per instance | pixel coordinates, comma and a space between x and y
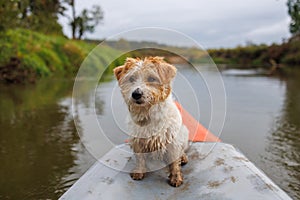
155, 124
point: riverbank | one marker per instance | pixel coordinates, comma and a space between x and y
27, 55
276, 55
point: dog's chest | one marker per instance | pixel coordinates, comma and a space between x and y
164, 125
154, 143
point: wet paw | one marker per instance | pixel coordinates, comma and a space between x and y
137, 176
176, 180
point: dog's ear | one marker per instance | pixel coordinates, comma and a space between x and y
121, 70
118, 72
167, 72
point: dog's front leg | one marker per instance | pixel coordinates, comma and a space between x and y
175, 177
140, 169
174, 159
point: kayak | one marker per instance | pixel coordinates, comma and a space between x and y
216, 170
197, 132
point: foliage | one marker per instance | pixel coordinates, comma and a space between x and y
31, 14
86, 21
45, 55
294, 12
43, 15
259, 55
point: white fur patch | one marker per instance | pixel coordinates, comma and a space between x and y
140, 63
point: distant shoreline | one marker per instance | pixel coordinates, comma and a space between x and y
27, 56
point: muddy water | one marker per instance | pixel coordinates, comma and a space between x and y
42, 155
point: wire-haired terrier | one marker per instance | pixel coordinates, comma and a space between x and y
155, 124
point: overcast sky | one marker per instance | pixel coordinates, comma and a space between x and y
212, 23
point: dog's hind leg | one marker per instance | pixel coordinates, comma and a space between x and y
184, 159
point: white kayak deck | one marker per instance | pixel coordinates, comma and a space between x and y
215, 171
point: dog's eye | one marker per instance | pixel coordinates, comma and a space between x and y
131, 79
151, 79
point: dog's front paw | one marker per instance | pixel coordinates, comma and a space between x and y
137, 176
176, 180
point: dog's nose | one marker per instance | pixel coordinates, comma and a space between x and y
137, 94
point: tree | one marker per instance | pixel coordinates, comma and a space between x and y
294, 12
31, 14
43, 15
8, 14
86, 21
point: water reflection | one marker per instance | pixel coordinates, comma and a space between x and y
39, 145
282, 161
42, 156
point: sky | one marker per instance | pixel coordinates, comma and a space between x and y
212, 23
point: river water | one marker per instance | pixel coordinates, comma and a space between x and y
42, 154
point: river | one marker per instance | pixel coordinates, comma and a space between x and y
42, 154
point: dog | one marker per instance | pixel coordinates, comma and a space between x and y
155, 122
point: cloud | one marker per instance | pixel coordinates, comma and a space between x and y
273, 29
213, 23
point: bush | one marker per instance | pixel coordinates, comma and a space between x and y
33, 61
259, 55
44, 55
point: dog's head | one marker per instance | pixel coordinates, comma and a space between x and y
145, 82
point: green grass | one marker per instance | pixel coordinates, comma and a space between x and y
45, 55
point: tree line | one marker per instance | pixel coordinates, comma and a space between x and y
42, 16
294, 12
286, 53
